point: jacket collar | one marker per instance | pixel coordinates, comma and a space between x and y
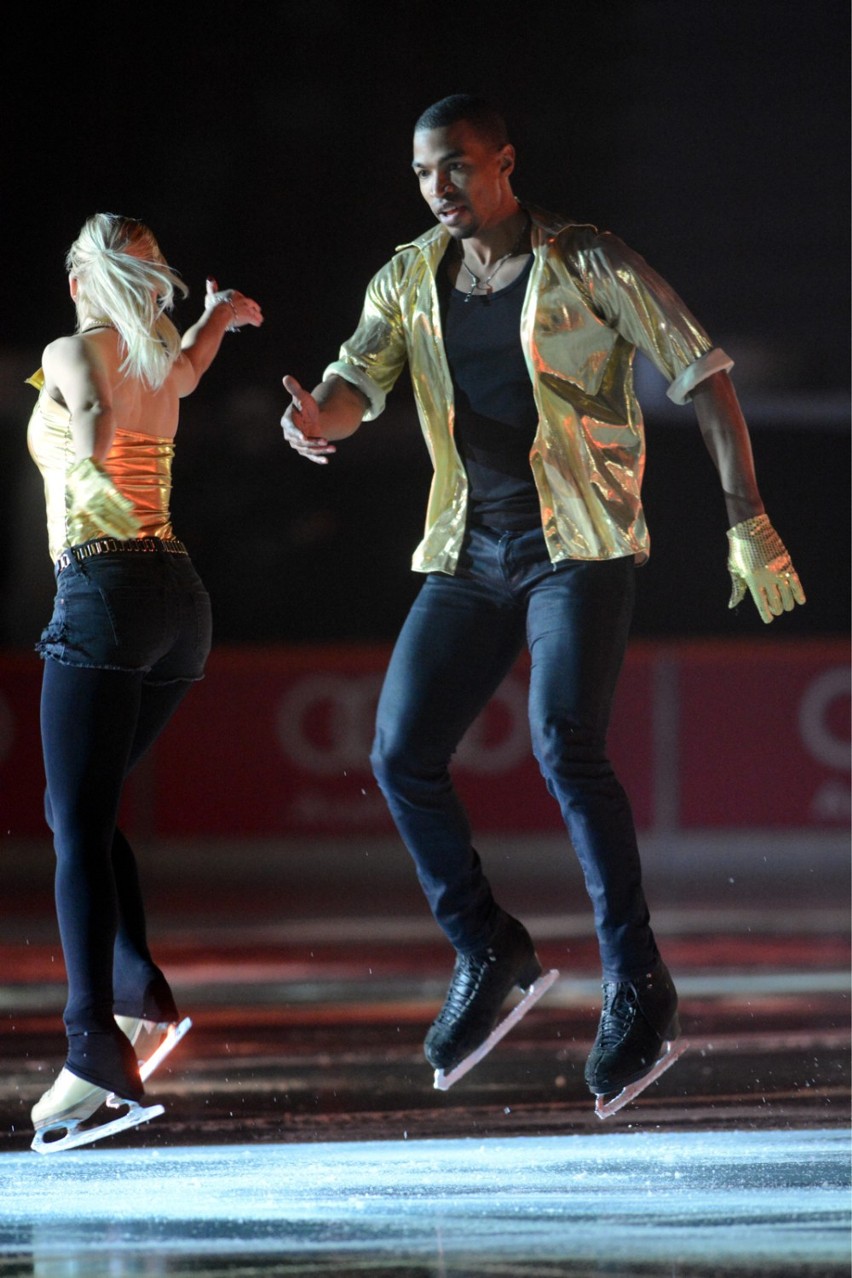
546, 226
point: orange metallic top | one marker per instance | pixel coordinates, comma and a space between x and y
139, 465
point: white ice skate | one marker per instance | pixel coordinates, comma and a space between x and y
444, 1080
671, 1051
152, 1040
71, 1101
69, 1104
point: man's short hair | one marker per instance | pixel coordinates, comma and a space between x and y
478, 112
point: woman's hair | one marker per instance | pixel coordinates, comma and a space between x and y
123, 278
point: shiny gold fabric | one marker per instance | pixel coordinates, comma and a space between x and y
590, 303
759, 561
139, 466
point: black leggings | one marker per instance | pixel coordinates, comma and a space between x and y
95, 726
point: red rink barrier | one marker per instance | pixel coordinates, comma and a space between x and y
725, 735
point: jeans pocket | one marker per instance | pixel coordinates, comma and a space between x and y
138, 621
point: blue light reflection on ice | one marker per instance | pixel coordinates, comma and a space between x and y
769, 1197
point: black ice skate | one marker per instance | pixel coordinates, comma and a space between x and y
464, 1030
635, 1039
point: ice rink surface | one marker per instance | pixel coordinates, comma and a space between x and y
302, 1134
643, 1202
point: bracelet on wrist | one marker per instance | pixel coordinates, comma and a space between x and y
232, 328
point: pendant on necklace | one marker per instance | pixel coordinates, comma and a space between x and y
485, 295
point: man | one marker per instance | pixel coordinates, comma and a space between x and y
519, 329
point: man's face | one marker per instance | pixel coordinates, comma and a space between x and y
463, 178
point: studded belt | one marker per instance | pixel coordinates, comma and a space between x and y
111, 546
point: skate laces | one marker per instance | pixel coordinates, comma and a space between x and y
468, 978
620, 1002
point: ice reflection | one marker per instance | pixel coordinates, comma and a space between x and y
763, 1202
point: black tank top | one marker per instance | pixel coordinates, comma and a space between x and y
495, 411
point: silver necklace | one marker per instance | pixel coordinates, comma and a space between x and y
485, 284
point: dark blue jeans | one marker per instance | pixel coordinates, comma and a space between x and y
128, 636
462, 636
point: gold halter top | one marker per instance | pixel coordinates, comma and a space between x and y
139, 465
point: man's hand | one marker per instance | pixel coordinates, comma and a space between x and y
301, 424
759, 561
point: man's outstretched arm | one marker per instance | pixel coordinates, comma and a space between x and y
334, 410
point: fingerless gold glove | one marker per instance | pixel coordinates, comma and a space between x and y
758, 561
95, 506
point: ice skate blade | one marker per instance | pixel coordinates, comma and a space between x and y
76, 1136
170, 1041
605, 1108
173, 1036
444, 1081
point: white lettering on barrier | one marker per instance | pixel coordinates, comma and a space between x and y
832, 802
325, 725
824, 744
347, 706
312, 807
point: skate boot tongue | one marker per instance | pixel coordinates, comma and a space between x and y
619, 1008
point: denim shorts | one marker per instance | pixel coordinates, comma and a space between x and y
147, 614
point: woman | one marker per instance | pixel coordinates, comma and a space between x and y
130, 632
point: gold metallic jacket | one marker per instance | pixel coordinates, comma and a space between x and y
139, 465
590, 303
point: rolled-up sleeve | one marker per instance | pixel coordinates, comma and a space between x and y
713, 361
374, 356
352, 372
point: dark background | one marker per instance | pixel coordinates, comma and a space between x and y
268, 145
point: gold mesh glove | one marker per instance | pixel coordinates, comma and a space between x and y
758, 561
95, 506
